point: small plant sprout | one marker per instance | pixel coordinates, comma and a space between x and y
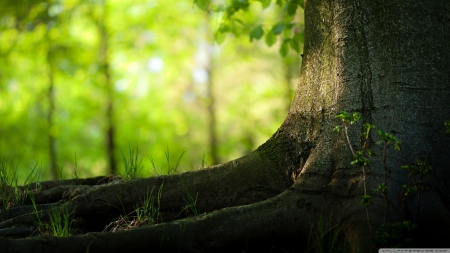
191, 202
360, 157
148, 211
8, 186
159, 170
132, 165
75, 170
170, 169
325, 237
390, 233
60, 221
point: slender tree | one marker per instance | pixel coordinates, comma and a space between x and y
103, 58
211, 109
51, 111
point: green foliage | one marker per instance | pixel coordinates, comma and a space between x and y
421, 167
387, 139
42, 41
362, 158
382, 188
235, 11
349, 118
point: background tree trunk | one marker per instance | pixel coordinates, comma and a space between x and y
110, 139
390, 62
50, 113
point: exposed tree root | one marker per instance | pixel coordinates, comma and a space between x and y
287, 216
261, 175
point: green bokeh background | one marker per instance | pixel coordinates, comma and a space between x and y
158, 54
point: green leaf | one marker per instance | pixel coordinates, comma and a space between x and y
284, 49
292, 8
256, 33
219, 37
236, 20
301, 3
236, 27
280, 3
294, 45
278, 28
237, 31
202, 4
240, 5
264, 3
229, 11
224, 28
270, 38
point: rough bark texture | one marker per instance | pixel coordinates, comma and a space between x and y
391, 63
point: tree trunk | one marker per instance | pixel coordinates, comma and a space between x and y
110, 136
210, 93
51, 112
389, 62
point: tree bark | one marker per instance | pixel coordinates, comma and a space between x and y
390, 62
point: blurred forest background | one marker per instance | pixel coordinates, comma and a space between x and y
85, 82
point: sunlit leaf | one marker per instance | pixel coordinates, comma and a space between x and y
202, 4
256, 33
236, 30
219, 37
270, 38
236, 27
